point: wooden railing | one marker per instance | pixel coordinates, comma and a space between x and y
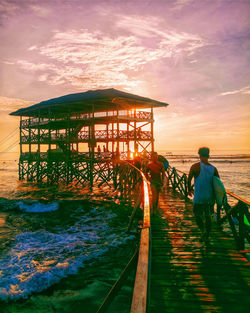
144, 115
134, 188
133, 180
75, 155
178, 180
55, 154
115, 134
84, 135
234, 209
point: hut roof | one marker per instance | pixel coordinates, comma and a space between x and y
89, 101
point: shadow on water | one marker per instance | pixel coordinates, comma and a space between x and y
61, 191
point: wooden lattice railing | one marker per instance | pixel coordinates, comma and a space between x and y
178, 180
236, 211
83, 116
84, 135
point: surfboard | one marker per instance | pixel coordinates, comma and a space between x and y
219, 190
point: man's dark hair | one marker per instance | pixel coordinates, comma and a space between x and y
204, 152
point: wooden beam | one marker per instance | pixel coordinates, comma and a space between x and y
139, 302
152, 129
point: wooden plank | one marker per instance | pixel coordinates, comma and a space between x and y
139, 302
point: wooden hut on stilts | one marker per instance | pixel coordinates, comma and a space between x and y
79, 137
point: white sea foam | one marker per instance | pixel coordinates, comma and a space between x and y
40, 259
37, 207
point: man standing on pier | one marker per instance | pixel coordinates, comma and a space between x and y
203, 173
155, 173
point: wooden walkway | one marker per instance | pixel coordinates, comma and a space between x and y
186, 276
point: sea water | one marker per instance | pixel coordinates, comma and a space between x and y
61, 247
61, 251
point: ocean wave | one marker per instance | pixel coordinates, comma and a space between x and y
37, 207
42, 258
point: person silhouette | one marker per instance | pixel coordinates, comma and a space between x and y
203, 201
155, 173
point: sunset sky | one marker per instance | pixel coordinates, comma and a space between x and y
193, 55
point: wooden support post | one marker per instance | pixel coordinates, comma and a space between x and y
241, 226
113, 143
49, 167
38, 150
107, 142
174, 179
227, 209
39, 133
29, 137
135, 135
20, 165
91, 149
114, 158
185, 186
29, 159
118, 132
20, 136
127, 142
152, 129
68, 160
49, 129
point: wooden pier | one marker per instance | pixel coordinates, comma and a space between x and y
176, 271
188, 276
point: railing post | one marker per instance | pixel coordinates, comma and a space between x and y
185, 186
241, 226
227, 210
174, 178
